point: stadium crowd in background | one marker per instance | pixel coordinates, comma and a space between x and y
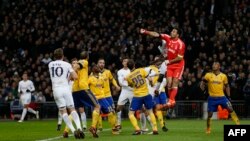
212, 31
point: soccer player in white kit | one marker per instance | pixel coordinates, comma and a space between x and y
25, 87
60, 73
126, 94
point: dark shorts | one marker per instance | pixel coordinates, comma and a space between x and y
84, 98
214, 102
137, 103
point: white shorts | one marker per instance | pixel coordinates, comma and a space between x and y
151, 91
125, 96
26, 98
63, 97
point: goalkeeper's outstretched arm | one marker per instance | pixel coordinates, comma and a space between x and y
151, 33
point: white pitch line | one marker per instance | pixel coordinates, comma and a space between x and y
59, 137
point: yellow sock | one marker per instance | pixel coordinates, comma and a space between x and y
208, 123
153, 120
66, 129
95, 117
100, 121
235, 118
160, 117
112, 119
134, 121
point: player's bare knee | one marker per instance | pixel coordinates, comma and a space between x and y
149, 111
210, 114
230, 109
81, 109
71, 108
62, 110
26, 106
119, 108
158, 107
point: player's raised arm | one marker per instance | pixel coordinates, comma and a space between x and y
151, 33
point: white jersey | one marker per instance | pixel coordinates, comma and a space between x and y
23, 86
59, 72
126, 94
122, 73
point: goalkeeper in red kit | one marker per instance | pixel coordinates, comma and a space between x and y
175, 61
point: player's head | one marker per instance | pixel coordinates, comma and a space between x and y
131, 64
125, 62
157, 60
216, 66
95, 69
84, 55
101, 63
58, 54
25, 76
175, 33
73, 61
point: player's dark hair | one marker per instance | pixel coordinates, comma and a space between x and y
125, 57
74, 59
58, 53
95, 68
84, 55
131, 64
179, 31
100, 59
217, 62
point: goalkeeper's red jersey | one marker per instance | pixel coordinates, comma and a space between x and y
175, 47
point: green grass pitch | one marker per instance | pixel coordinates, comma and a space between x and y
179, 130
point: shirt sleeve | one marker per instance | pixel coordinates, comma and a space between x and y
19, 87
206, 77
128, 80
85, 64
32, 87
225, 80
144, 73
89, 80
111, 78
147, 69
181, 50
165, 37
121, 79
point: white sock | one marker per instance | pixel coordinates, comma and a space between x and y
119, 117
23, 113
76, 119
143, 121
84, 120
68, 122
31, 111
149, 120
59, 119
